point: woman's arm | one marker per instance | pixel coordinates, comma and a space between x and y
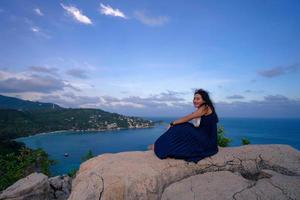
198, 113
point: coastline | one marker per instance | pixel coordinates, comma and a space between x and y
77, 130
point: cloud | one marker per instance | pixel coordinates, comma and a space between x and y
38, 12
32, 84
108, 10
280, 70
77, 14
157, 104
27, 82
77, 73
254, 91
46, 70
276, 98
70, 100
150, 20
235, 96
36, 30
277, 106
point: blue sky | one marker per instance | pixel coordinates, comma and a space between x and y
146, 58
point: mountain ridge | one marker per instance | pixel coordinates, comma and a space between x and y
20, 118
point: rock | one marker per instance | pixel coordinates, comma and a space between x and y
245, 172
56, 182
60, 187
37, 186
206, 186
34, 187
60, 195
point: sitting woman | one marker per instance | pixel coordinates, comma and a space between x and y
187, 141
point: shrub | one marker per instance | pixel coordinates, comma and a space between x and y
18, 164
245, 141
222, 140
73, 172
87, 156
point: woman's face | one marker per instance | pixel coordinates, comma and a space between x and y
197, 100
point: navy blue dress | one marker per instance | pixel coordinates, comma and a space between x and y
187, 142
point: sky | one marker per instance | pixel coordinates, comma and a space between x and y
146, 58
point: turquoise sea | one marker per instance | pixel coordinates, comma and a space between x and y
77, 144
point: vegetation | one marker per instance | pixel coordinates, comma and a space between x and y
18, 161
222, 140
20, 118
73, 172
20, 104
88, 155
245, 141
14, 123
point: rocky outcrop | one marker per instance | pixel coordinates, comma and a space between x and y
245, 172
37, 186
34, 186
60, 187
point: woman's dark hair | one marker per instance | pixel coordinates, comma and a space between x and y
205, 96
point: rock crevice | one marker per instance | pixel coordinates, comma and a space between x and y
250, 171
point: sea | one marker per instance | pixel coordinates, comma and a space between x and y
77, 144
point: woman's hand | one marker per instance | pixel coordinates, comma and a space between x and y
169, 126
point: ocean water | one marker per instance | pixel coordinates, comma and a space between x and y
77, 144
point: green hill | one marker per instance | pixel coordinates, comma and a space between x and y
28, 118
20, 104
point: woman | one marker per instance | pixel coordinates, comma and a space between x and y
187, 141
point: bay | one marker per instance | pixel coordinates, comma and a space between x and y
77, 144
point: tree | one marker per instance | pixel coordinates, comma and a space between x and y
222, 140
245, 141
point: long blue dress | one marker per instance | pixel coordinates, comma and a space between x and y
187, 142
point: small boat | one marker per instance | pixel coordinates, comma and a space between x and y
66, 154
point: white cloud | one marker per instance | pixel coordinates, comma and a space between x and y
39, 32
38, 12
77, 14
149, 20
108, 10
26, 81
35, 29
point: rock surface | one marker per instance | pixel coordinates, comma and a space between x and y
245, 172
37, 186
34, 187
60, 187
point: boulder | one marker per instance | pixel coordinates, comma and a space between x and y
245, 172
34, 187
37, 186
60, 187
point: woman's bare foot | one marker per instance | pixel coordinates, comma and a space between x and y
151, 147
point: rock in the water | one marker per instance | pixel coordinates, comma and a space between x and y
245, 172
34, 187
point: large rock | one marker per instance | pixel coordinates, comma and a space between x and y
60, 187
245, 172
37, 186
34, 187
